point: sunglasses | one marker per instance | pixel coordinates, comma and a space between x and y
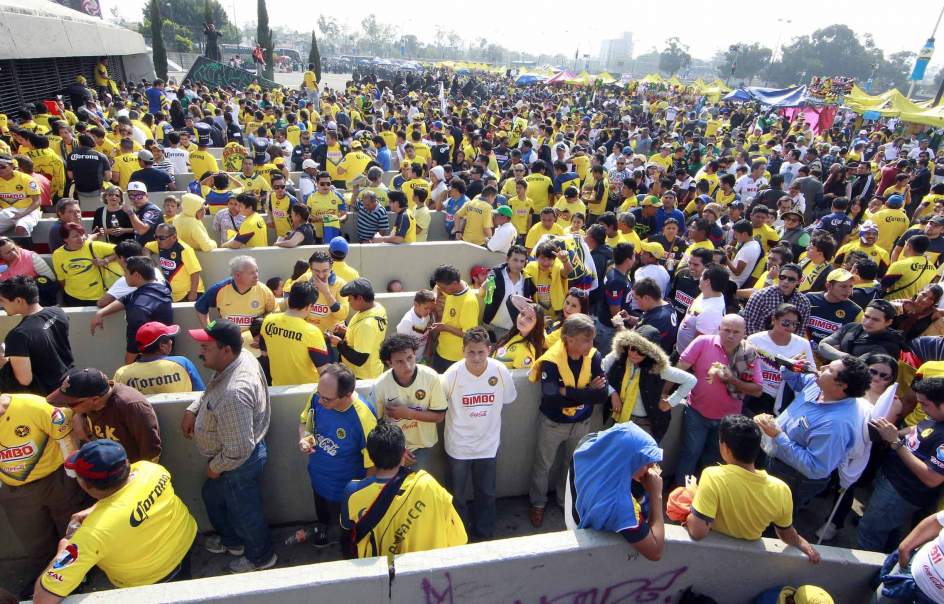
136, 195
789, 279
879, 374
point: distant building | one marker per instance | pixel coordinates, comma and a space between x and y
617, 54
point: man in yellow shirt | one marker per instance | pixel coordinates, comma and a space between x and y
547, 225
126, 164
178, 263
252, 231
329, 307
328, 209
460, 313
295, 347
740, 501
540, 186
310, 85
139, 532
19, 198
474, 218
36, 495
358, 340
891, 221
375, 508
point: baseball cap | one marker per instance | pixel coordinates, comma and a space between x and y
653, 248
356, 145
703, 198
221, 331
152, 331
794, 213
136, 185
651, 200
665, 146
331, 125
938, 220
338, 247
839, 274
309, 163
98, 460
79, 384
358, 287
504, 211
895, 201
6, 159
737, 205
146, 156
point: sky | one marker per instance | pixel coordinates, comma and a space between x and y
517, 26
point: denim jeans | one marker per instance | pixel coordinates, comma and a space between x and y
234, 506
802, 489
886, 513
699, 443
482, 471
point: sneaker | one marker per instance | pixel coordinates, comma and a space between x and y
243, 565
827, 532
320, 537
214, 545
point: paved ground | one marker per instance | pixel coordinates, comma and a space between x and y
294, 80
512, 522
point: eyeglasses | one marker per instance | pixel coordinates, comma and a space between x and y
788, 323
789, 279
879, 374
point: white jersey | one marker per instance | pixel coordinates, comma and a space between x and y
179, 158
424, 393
473, 421
927, 566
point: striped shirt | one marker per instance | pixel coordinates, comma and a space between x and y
370, 223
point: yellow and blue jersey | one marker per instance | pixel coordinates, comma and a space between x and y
340, 449
161, 375
238, 307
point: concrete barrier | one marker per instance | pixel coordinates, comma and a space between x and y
569, 567
105, 350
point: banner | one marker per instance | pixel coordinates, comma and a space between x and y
921, 64
214, 75
89, 7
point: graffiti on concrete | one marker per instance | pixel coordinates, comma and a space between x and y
659, 588
213, 74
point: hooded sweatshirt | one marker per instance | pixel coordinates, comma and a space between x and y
191, 229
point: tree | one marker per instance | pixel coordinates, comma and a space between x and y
188, 17
675, 57
157, 40
747, 60
832, 51
208, 12
264, 38
410, 46
314, 57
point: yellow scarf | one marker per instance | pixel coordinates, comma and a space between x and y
557, 354
557, 285
629, 392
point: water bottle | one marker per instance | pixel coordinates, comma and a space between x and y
489, 288
299, 536
114, 224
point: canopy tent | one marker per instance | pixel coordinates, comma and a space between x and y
560, 77
605, 78
527, 79
653, 78
675, 81
893, 103
581, 79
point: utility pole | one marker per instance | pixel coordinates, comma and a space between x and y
924, 57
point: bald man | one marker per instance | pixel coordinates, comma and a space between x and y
728, 369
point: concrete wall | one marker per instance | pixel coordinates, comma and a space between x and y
137, 66
570, 567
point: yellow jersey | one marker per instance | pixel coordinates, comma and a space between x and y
462, 312
411, 185
325, 208
321, 314
424, 393
161, 375
18, 191
253, 232
876, 253
239, 308
79, 277
539, 190
255, 184
421, 516
278, 212
570, 208
366, 330
345, 271
136, 536
740, 503
537, 231
891, 224
309, 81
906, 277
178, 264
334, 155
517, 353
353, 164
28, 435
520, 213
126, 165
478, 216
50, 165
202, 162
289, 340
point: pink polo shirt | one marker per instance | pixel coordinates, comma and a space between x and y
712, 400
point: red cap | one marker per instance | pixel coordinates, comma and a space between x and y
151, 332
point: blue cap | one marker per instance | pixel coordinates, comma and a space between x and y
703, 198
98, 460
437, 124
895, 201
627, 150
338, 247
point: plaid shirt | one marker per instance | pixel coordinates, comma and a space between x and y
764, 302
232, 414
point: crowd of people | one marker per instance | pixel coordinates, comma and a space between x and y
776, 279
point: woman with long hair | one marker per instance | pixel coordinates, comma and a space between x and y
577, 301
524, 343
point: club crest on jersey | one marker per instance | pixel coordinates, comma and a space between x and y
66, 557
22, 431
341, 433
492, 381
840, 314
452, 312
420, 394
254, 304
58, 418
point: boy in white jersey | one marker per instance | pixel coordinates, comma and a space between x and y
476, 389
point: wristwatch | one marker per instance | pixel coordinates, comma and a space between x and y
898, 444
